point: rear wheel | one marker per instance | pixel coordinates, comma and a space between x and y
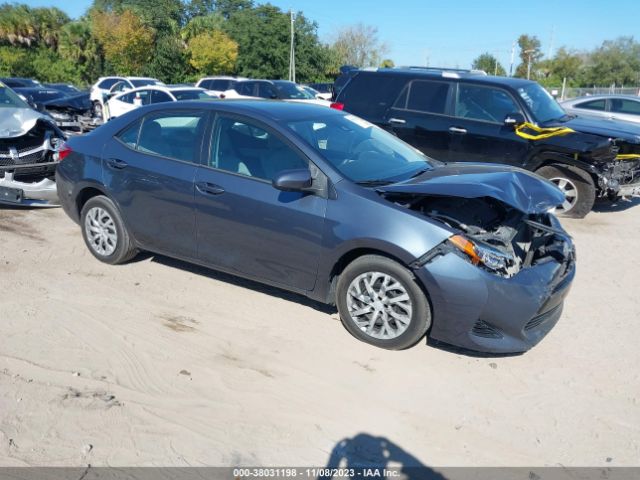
381, 303
104, 232
577, 186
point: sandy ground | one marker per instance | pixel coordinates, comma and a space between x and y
160, 363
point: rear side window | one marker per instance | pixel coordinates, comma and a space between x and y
370, 95
108, 83
426, 96
176, 135
221, 84
129, 136
245, 88
592, 105
625, 106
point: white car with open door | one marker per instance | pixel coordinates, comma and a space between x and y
110, 86
132, 99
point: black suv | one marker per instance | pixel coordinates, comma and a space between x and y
468, 116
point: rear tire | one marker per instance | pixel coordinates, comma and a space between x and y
381, 303
104, 231
578, 187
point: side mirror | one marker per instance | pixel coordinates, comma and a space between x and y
514, 119
297, 180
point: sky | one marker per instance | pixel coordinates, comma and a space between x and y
452, 33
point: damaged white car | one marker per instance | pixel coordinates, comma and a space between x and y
29, 153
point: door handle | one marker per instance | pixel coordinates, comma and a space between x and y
457, 130
398, 121
116, 163
209, 188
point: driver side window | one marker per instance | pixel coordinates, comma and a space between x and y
244, 148
487, 104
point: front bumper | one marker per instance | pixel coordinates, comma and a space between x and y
477, 310
41, 193
631, 190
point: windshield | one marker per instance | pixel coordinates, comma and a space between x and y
542, 105
291, 91
8, 99
190, 95
361, 151
143, 82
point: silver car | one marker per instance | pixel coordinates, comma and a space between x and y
613, 107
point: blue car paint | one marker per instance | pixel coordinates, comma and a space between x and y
296, 240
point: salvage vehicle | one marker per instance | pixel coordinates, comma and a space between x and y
468, 116
29, 143
218, 85
607, 107
13, 82
273, 90
132, 99
327, 205
105, 87
66, 88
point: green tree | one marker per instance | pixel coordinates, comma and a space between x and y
565, 64
202, 24
213, 53
387, 63
529, 53
614, 62
489, 64
78, 46
127, 43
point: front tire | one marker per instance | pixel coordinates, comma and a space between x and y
576, 184
104, 232
381, 303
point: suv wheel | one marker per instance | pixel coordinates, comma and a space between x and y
104, 232
381, 303
577, 186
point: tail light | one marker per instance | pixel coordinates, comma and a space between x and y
337, 105
64, 151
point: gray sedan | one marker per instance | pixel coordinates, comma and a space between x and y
618, 107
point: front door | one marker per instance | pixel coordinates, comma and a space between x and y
477, 129
243, 223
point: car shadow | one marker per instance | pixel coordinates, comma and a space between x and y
618, 205
365, 452
237, 281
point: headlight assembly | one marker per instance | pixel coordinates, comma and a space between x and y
482, 254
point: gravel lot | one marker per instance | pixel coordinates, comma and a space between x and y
161, 363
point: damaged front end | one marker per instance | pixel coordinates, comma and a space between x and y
498, 282
29, 145
620, 177
73, 114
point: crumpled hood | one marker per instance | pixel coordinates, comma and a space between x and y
78, 102
605, 127
515, 187
15, 122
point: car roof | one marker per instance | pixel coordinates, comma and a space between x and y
275, 110
601, 97
164, 88
444, 74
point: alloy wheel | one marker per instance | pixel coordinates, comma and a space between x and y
101, 231
570, 193
379, 305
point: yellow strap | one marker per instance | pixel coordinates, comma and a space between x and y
541, 133
628, 156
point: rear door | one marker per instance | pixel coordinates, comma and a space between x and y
477, 131
149, 169
420, 117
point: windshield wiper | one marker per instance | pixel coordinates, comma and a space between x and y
419, 172
374, 183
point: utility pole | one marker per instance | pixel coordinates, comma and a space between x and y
529, 52
553, 34
292, 52
513, 56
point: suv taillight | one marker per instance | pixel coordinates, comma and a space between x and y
337, 105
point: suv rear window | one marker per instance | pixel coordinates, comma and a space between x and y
370, 95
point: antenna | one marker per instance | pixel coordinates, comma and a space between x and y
292, 52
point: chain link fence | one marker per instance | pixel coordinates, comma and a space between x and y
571, 92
